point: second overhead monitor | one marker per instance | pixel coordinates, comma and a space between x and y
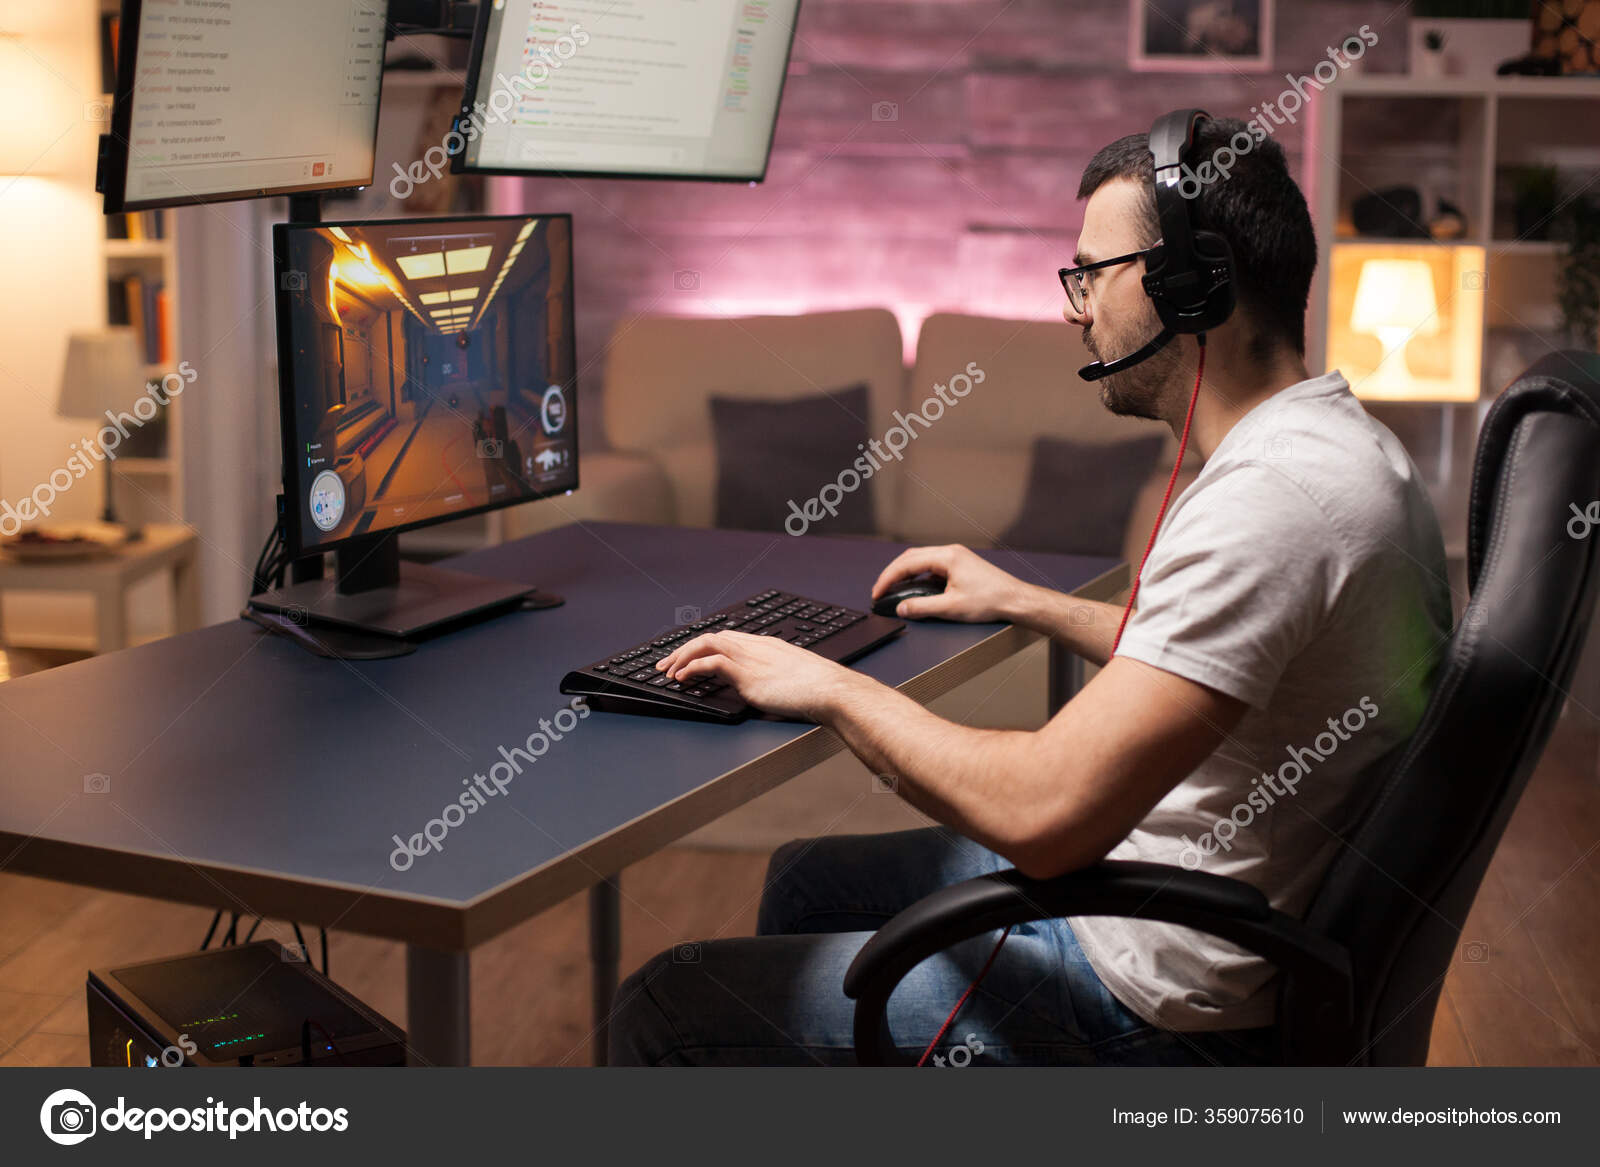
642, 88
235, 100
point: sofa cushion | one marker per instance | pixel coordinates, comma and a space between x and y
662, 371
965, 477
774, 459
1080, 495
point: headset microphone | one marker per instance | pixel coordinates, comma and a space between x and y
1105, 368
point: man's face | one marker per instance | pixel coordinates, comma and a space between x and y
1118, 317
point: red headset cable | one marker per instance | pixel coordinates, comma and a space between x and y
1133, 594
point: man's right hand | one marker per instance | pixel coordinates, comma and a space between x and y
976, 591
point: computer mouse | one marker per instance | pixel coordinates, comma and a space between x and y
908, 589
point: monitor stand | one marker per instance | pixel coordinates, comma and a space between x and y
376, 593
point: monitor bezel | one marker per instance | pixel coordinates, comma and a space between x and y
114, 156
458, 160
292, 529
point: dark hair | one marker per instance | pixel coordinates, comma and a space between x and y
1256, 207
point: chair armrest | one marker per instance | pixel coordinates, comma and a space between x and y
1316, 1003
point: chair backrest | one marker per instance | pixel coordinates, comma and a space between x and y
1398, 894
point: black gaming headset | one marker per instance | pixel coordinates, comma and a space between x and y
1189, 274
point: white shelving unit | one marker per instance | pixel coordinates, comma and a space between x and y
1457, 138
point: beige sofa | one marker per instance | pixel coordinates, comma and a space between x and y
962, 479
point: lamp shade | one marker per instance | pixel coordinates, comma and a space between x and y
105, 370
1395, 294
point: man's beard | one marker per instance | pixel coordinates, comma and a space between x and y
1142, 390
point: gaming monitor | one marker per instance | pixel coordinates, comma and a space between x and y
640, 88
242, 100
426, 371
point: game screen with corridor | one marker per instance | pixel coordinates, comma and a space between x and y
428, 369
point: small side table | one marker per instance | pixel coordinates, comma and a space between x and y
165, 547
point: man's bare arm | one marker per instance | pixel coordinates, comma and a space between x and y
1053, 800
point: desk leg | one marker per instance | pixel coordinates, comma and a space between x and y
438, 1007
605, 952
1066, 677
186, 594
111, 618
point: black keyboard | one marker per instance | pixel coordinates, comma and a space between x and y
629, 682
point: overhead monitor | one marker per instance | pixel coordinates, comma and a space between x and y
426, 371
233, 99
640, 88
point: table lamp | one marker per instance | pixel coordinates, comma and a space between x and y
1394, 301
105, 372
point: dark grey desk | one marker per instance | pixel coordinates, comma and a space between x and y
245, 774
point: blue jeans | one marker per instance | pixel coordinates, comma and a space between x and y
777, 998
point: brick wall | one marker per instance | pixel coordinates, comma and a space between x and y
964, 200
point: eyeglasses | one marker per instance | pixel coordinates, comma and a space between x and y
1077, 287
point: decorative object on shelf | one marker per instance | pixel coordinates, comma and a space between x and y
1578, 285
1404, 212
1568, 32
64, 541
1200, 35
103, 375
1466, 38
1406, 319
1448, 222
1427, 58
1392, 213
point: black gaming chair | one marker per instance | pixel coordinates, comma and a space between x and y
1360, 975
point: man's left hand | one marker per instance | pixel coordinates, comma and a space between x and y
769, 673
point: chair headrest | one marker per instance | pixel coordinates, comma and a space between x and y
1563, 382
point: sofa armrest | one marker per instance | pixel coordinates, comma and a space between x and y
612, 486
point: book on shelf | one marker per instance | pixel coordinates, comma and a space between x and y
137, 226
143, 305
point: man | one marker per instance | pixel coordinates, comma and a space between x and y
1288, 626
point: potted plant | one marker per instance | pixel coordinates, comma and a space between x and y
1578, 285
1533, 200
1467, 38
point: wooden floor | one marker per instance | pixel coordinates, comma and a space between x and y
1523, 990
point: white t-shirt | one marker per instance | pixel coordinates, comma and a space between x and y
1302, 572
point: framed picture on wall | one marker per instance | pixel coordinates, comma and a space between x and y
1199, 35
